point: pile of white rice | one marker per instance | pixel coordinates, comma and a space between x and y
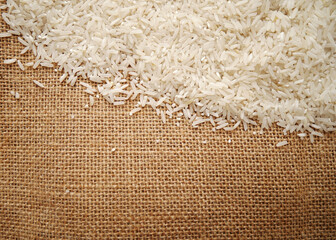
224, 62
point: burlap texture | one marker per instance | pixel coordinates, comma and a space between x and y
59, 177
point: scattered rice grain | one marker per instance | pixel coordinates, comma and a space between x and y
283, 143
39, 84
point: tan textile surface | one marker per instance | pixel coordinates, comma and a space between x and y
59, 177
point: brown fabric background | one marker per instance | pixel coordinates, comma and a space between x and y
59, 177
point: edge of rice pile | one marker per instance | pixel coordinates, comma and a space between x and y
229, 63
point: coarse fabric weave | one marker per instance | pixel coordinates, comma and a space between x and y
61, 179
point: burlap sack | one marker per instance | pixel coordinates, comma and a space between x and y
61, 179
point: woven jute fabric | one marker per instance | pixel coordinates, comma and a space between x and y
61, 179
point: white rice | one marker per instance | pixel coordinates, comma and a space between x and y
15, 94
317, 134
5, 34
14, 32
283, 143
118, 103
302, 135
20, 65
135, 110
163, 116
91, 101
63, 77
39, 84
23, 42
29, 64
252, 61
89, 91
311, 137
36, 64
10, 61
24, 50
